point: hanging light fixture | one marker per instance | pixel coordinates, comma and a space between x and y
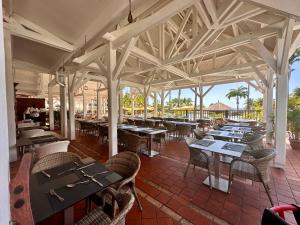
130, 18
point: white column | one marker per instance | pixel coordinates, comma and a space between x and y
269, 108
265, 99
145, 102
201, 101
10, 97
51, 110
99, 102
63, 108
112, 101
281, 119
195, 102
121, 106
4, 159
155, 103
83, 102
71, 121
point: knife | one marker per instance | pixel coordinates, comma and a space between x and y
85, 166
97, 182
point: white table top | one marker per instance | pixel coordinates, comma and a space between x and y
146, 130
237, 124
218, 145
236, 129
183, 123
227, 134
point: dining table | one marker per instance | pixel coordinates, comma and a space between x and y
149, 131
60, 188
192, 124
219, 148
236, 129
235, 124
227, 135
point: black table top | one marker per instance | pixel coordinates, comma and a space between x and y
51, 137
44, 205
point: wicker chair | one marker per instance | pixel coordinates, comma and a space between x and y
130, 121
199, 134
149, 123
171, 127
54, 160
160, 138
133, 142
140, 123
183, 130
253, 140
198, 158
255, 168
127, 164
99, 217
47, 149
103, 133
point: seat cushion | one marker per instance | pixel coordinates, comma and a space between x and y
95, 217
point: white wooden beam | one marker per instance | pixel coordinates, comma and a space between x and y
24, 28
118, 37
124, 56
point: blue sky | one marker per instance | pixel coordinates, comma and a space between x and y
219, 91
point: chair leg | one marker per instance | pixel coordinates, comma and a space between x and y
229, 181
136, 197
267, 188
209, 178
187, 168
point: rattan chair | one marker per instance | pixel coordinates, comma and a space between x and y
103, 133
160, 138
256, 168
127, 164
183, 131
133, 142
171, 127
199, 134
47, 149
54, 160
198, 158
130, 121
98, 217
140, 123
149, 123
253, 140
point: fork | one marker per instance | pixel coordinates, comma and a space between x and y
53, 193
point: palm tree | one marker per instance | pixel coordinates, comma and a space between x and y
240, 92
295, 57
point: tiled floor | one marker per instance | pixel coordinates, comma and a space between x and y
170, 198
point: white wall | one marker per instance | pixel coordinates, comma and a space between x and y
4, 150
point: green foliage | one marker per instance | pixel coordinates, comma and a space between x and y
294, 123
127, 100
240, 92
294, 100
295, 57
182, 102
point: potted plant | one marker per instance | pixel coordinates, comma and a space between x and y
294, 128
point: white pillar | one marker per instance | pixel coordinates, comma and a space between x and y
10, 97
281, 119
265, 99
99, 102
155, 103
121, 106
71, 133
201, 101
51, 110
4, 159
269, 108
145, 102
83, 102
63, 108
195, 102
112, 101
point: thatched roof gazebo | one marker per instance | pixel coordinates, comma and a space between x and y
219, 106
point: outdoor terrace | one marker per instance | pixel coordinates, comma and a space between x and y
169, 198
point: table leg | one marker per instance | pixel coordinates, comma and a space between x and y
69, 216
149, 152
217, 181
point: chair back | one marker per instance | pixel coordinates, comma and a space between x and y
253, 140
170, 126
263, 158
54, 160
149, 123
183, 130
140, 123
199, 134
127, 164
31, 133
47, 149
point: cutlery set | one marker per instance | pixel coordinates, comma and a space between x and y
71, 185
